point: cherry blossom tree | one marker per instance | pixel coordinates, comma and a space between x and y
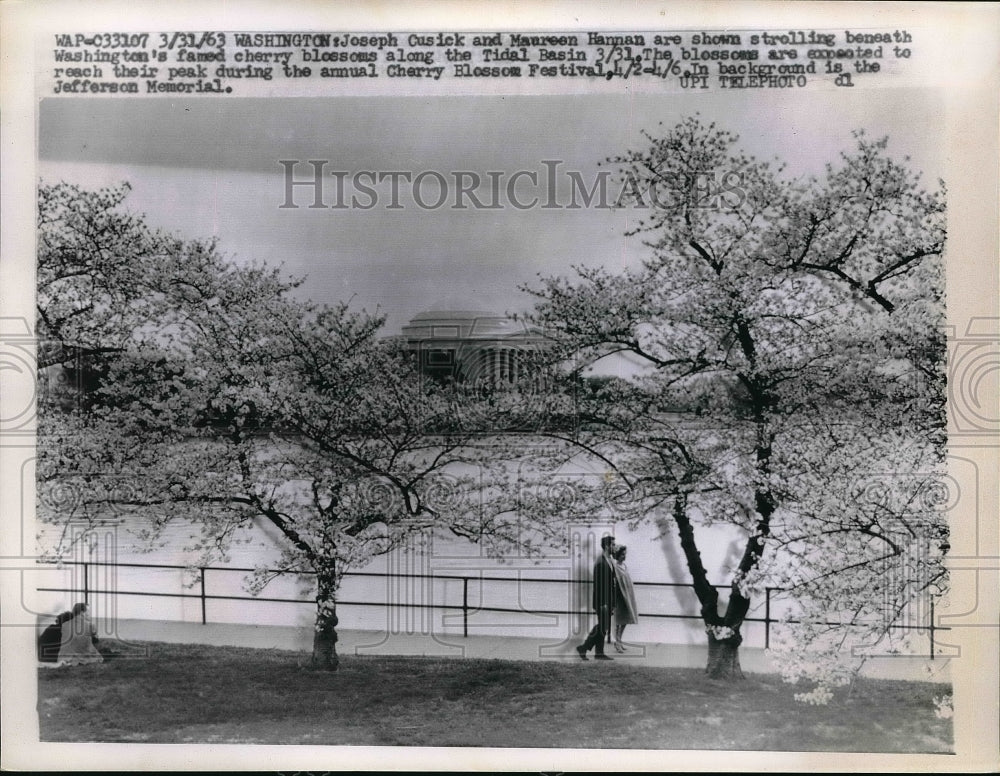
105, 278
226, 399
790, 337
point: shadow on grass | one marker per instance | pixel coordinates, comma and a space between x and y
204, 694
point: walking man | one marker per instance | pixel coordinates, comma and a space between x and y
603, 601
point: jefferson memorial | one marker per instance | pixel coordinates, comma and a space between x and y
471, 345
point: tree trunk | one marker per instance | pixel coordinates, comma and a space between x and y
724, 655
324, 654
724, 637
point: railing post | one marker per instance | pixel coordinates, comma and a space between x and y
932, 629
767, 618
465, 607
203, 619
86, 582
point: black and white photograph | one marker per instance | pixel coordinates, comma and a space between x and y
480, 392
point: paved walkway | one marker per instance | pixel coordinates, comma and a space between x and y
353, 642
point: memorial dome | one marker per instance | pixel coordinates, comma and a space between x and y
470, 344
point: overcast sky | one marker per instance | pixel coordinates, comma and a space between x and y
210, 166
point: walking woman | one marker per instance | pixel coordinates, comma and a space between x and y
626, 611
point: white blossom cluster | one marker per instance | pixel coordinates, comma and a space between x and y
720, 632
818, 696
943, 707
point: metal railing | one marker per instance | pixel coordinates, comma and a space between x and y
203, 596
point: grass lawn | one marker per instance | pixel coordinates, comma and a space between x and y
203, 694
